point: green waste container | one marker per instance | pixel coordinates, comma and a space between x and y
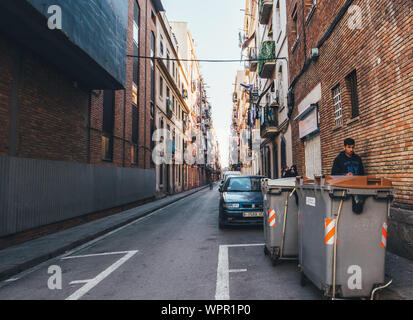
280, 218
343, 233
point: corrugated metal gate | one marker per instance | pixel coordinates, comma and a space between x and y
39, 192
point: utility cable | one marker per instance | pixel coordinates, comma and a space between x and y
206, 60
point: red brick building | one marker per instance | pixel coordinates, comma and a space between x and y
123, 136
351, 75
68, 113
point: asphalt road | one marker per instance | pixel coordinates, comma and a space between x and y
175, 253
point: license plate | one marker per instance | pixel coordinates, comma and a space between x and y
253, 214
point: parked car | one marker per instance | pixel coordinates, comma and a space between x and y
241, 201
226, 175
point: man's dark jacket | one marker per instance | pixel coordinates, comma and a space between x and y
343, 165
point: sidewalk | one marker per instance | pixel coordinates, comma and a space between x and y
401, 271
23, 256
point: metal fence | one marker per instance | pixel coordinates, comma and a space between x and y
38, 192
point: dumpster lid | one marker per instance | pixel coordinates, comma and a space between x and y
354, 182
284, 182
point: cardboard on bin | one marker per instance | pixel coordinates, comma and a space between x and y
354, 182
280, 183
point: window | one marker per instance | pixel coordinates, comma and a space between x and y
153, 17
161, 174
283, 153
294, 32
161, 47
351, 81
277, 29
167, 59
108, 124
136, 14
160, 86
338, 111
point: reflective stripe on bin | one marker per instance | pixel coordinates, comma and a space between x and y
384, 235
329, 231
271, 217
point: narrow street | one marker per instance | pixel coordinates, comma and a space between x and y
175, 253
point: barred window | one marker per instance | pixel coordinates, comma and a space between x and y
351, 81
338, 110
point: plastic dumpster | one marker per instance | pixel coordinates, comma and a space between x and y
343, 233
280, 218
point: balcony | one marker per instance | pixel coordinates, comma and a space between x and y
269, 128
266, 60
265, 7
252, 56
274, 100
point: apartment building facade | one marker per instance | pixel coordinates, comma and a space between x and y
350, 76
172, 110
265, 50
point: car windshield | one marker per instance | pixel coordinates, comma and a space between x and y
243, 184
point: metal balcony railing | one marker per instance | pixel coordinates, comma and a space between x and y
266, 60
270, 125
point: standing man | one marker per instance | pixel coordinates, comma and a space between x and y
347, 162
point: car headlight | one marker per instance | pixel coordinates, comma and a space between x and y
231, 205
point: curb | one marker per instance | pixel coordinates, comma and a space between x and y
4, 275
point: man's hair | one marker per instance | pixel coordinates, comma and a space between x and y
349, 142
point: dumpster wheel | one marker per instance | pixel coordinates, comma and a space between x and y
275, 261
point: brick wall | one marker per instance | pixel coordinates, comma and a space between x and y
6, 70
380, 52
123, 141
51, 117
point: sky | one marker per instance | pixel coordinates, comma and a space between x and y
214, 25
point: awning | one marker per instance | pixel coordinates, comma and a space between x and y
247, 42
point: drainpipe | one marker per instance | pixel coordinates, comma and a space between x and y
304, 38
124, 122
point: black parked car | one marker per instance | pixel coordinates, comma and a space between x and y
241, 201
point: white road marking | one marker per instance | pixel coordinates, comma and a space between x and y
80, 281
101, 276
11, 280
237, 270
95, 255
222, 286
